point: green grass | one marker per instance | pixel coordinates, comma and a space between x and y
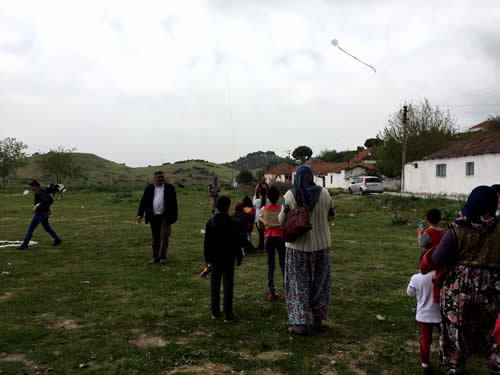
88, 301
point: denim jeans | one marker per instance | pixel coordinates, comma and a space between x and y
37, 219
272, 244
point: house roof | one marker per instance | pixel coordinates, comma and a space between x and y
362, 155
282, 168
484, 143
480, 125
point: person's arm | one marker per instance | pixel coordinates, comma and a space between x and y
411, 290
331, 208
208, 244
142, 206
424, 239
260, 222
173, 208
238, 245
446, 252
44, 201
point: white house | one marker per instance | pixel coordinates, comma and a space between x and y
457, 169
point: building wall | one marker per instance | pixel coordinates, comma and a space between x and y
343, 179
424, 180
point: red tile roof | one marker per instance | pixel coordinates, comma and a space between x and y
282, 168
319, 167
362, 155
483, 143
481, 125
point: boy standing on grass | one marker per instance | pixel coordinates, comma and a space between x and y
428, 314
222, 248
431, 237
273, 238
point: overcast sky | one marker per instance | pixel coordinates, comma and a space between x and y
150, 82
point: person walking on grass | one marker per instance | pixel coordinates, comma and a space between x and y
428, 314
260, 201
431, 236
213, 193
273, 242
222, 248
250, 211
159, 202
41, 211
307, 263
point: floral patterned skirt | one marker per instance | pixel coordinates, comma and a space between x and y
470, 305
307, 285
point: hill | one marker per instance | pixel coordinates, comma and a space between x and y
102, 171
256, 160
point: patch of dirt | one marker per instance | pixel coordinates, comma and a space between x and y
272, 355
412, 346
16, 357
143, 340
182, 341
65, 324
267, 371
208, 368
5, 295
7, 218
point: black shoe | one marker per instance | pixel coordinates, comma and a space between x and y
22, 247
57, 242
231, 318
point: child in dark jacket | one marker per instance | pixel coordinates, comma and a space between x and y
273, 238
222, 249
241, 219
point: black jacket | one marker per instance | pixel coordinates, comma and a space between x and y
222, 241
45, 200
170, 201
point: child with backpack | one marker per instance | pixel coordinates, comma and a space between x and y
273, 238
222, 248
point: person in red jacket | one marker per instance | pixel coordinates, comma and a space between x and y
431, 237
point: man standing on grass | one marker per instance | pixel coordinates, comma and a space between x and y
213, 193
159, 202
41, 212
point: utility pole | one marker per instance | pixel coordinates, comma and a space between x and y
403, 148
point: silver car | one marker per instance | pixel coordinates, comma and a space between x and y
366, 185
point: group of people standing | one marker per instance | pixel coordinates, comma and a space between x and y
458, 288
304, 262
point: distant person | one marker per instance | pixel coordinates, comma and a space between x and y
213, 193
241, 219
262, 184
496, 187
159, 202
470, 297
273, 242
307, 264
41, 211
428, 314
222, 248
260, 201
250, 211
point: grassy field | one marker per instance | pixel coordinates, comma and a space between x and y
95, 306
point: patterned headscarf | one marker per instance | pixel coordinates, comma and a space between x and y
480, 208
306, 192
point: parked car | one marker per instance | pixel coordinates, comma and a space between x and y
366, 185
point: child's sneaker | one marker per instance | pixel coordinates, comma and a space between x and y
229, 319
272, 296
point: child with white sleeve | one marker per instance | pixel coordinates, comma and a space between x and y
428, 314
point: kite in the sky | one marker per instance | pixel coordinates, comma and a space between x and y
335, 43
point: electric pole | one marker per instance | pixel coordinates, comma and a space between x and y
403, 148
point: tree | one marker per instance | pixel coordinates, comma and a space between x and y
59, 163
302, 153
372, 142
428, 129
245, 176
12, 157
493, 123
333, 156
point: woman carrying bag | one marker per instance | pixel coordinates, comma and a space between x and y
307, 265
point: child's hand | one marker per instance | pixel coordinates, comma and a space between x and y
420, 231
238, 262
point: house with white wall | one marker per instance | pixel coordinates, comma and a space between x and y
457, 169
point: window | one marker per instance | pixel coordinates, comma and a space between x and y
441, 170
469, 168
374, 179
331, 180
415, 165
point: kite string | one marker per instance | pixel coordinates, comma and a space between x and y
354, 57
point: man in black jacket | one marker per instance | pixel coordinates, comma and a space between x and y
41, 212
159, 202
222, 248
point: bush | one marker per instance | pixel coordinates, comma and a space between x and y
397, 219
245, 176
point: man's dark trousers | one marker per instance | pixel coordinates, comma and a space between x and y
226, 273
160, 230
270, 245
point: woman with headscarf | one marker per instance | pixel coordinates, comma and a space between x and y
470, 296
307, 265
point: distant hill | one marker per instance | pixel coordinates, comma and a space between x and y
256, 160
102, 171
